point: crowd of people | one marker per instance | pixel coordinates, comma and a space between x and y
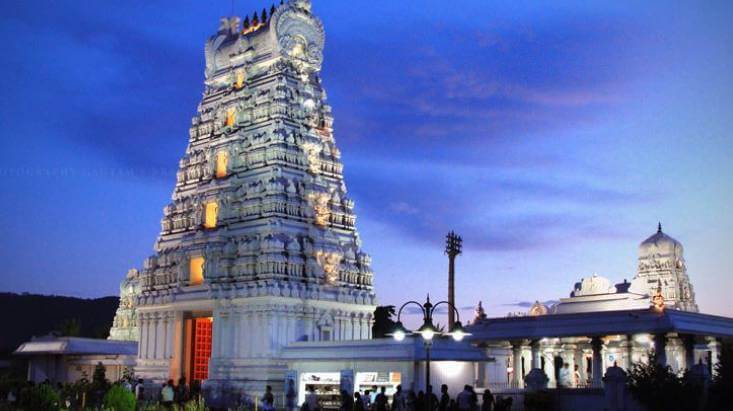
377, 399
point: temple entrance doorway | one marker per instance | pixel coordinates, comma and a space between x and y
197, 348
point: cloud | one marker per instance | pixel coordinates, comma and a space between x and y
528, 304
491, 208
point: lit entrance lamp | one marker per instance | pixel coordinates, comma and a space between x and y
428, 331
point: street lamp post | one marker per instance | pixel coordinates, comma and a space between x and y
428, 331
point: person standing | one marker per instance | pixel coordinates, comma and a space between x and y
367, 398
167, 394
444, 398
487, 400
381, 402
290, 397
311, 399
373, 396
358, 402
411, 402
576, 376
268, 400
431, 399
399, 402
474, 399
182, 392
464, 399
140, 390
347, 401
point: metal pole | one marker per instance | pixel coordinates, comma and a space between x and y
451, 288
453, 244
429, 402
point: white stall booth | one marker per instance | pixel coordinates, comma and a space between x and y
360, 365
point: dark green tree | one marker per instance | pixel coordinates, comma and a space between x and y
119, 399
721, 390
41, 397
71, 327
658, 388
100, 375
383, 323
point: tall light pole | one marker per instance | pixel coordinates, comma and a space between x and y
453, 245
428, 331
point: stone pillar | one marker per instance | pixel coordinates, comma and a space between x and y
350, 327
170, 334
160, 337
536, 362
292, 326
177, 343
264, 333
236, 326
517, 358
248, 329
216, 335
143, 324
337, 326
580, 362
714, 347
629, 351
549, 355
152, 334
660, 348
309, 325
597, 344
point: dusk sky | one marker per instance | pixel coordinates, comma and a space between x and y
553, 136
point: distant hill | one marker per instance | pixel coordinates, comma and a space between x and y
28, 315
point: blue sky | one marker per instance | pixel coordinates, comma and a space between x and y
551, 135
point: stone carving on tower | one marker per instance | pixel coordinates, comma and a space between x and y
124, 325
662, 267
260, 234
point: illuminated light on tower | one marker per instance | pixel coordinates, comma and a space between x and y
453, 244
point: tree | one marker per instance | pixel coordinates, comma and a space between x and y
119, 399
658, 388
71, 327
99, 385
383, 323
40, 397
721, 390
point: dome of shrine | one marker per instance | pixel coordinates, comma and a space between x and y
593, 285
660, 244
538, 309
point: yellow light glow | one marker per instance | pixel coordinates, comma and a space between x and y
240, 80
221, 164
196, 271
230, 117
211, 211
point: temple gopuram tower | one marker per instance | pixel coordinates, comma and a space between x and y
258, 247
662, 267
